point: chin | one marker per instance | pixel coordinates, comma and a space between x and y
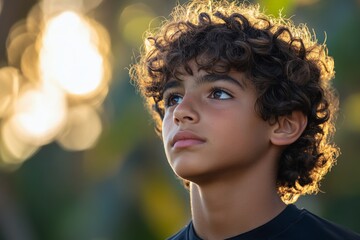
196, 176
187, 172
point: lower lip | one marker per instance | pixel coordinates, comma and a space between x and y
187, 143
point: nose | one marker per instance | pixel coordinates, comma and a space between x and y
186, 111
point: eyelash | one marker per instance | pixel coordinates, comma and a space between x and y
214, 89
170, 95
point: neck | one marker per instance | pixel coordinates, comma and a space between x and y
237, 203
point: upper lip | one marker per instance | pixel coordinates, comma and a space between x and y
185, 135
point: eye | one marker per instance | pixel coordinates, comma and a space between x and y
217, 93
172, 99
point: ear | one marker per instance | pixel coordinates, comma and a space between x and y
288, 128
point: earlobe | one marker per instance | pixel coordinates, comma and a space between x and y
288, 128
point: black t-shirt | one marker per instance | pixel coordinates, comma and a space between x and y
291, 224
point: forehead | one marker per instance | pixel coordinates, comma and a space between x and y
201, 76
209, 72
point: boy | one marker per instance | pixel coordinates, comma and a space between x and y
246, 112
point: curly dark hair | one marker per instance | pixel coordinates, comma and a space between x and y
289, 69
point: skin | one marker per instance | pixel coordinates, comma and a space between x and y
214, 138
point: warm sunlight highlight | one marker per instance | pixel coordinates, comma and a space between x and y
14, 150
39, 115
82, 130
57, 79
9, 87
69, 55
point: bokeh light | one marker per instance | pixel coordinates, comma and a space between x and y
134, 20
9, 86
29, 64
58, 75
82, 130
352, 112
50, 7
14, 150
69, 54
17, 45
39, 115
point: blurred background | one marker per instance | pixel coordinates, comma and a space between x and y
79, 157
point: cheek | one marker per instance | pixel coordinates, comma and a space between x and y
166, 125
240, 128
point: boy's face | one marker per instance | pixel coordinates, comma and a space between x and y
210, 127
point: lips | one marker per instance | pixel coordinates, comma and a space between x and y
184, 139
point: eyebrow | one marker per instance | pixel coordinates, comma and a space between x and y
209, 78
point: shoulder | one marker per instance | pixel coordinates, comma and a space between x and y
311, 226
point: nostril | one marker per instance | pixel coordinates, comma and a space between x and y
188, 118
